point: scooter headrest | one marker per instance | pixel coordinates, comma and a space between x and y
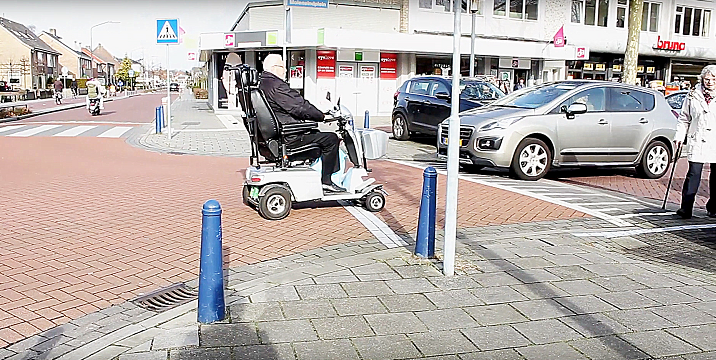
249, 76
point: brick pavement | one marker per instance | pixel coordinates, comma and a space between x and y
93, 222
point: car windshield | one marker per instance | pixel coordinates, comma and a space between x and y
476, 90
534, 97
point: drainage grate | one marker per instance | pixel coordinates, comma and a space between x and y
166, 298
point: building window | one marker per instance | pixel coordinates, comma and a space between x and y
596, 12
621, 12
692, 21
577, 6
447, 5
650, 17
425, 4
519, 9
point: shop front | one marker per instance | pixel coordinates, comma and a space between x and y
610, 67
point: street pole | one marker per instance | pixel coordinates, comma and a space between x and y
286, 12
453, 150
169, 100
473, 10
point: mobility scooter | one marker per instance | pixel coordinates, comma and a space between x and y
289, 175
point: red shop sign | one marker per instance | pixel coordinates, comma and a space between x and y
669, 45
326, 64
388, 66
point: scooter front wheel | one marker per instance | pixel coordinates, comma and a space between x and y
375, 201
275, 204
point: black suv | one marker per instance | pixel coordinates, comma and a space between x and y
174, 87
423, 102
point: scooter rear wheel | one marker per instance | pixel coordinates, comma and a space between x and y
374, 202
275, 204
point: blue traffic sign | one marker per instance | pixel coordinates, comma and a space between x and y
308, 3
168, 31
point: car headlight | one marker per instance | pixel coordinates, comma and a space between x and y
499, 124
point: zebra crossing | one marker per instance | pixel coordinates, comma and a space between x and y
617, 209
57, 130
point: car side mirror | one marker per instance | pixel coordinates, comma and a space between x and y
443, 96
574, 109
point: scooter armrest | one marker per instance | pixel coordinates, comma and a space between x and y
299, 128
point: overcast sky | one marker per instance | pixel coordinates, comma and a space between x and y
136, 31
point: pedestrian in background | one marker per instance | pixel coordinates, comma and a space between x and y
697, 128
73, 86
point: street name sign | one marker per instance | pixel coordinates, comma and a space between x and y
168, 31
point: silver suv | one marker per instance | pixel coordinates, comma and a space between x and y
568, 123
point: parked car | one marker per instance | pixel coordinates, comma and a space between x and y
423, 102
676, 101
174, 87
4, 86
568, 123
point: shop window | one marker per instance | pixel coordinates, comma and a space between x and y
518, 9
577, 7
425, 4
692, 21
621, 12
596, 12
447, 5
650, 17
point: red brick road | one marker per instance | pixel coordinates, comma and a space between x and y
90, 222
627, 183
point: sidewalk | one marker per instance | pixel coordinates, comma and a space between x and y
525, 291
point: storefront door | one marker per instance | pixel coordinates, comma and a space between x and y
357, 86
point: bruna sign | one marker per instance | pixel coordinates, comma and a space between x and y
669, 45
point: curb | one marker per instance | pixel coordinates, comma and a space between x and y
57, 109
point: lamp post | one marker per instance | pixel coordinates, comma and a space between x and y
474, 8
94, 26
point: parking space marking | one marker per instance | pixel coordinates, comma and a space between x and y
608, 203
509, 185
34, 131
613, 234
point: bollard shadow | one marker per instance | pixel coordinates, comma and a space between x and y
234, 338
226, 259
587, 322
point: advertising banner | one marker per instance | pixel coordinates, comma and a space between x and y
325, 64
388, 66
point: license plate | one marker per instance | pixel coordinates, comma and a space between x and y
445, 141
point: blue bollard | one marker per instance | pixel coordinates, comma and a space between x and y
158, 119
211, 272
161, 116
366, 120
425, 242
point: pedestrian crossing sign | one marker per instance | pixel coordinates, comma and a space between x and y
168, 31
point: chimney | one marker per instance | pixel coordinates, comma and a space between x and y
53, 32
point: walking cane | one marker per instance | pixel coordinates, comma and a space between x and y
671, 177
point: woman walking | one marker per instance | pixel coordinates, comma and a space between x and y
697, 124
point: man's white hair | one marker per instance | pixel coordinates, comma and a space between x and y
272, 60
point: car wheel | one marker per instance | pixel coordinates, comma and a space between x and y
531, 160
374, 202
400, 128
655, 160
275, 204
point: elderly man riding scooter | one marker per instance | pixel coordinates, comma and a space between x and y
290, 108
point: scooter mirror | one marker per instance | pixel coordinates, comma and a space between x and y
328, 95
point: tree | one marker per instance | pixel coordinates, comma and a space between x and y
631, 55
123, 71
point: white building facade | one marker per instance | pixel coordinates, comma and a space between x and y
356, 50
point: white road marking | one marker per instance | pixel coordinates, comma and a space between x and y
206, 130
627, 216
613, 234
8, 128
608, 203
377, 227
34, 131
115, 132
77, 130
557, 201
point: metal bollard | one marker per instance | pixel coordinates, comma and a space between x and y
164, 121
366, 120
158, 119
211, 272
425, 242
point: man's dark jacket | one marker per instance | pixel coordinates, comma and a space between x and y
288, 105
